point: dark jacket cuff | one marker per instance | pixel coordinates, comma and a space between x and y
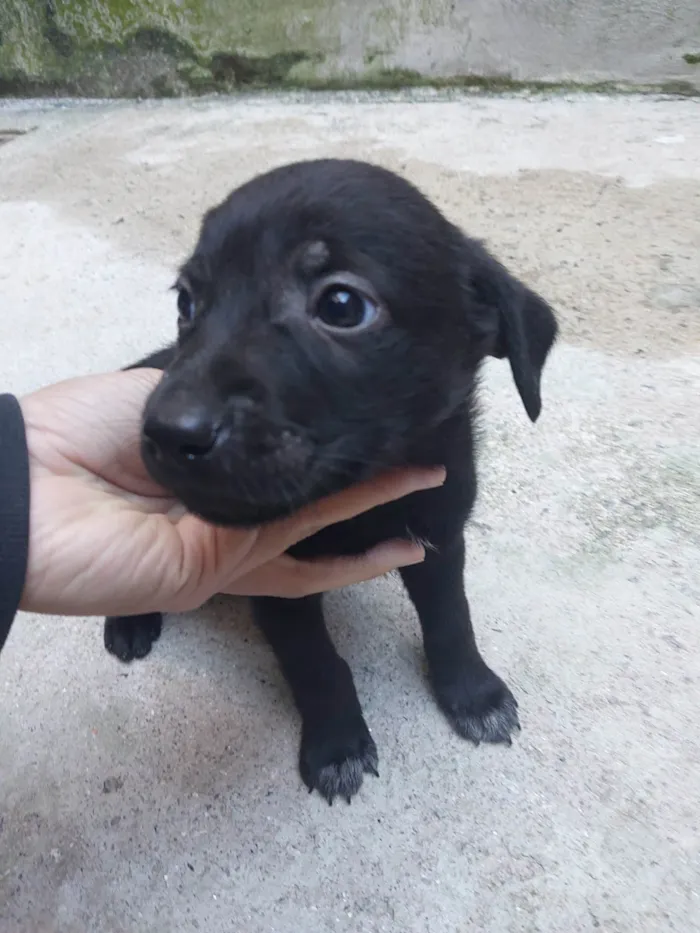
14, 510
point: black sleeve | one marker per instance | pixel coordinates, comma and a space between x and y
14, 510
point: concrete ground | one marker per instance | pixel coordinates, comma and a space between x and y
164, 797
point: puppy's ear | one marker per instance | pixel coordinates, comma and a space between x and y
512, 321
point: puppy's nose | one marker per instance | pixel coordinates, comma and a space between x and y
185, 433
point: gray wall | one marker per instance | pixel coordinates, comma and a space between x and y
174, 46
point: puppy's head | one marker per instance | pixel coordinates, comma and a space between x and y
329, 318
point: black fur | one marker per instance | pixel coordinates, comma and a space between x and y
262, 409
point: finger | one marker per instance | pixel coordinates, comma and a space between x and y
387, 487
288, 578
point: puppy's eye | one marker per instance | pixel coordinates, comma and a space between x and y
185, 304
343, 308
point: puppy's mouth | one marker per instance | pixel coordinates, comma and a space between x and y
242, 491
236, 514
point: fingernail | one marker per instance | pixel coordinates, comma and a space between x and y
417, 557
398, 553
436, 476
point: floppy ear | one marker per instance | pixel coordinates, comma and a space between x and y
515, 322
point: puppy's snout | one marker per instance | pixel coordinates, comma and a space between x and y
183, 432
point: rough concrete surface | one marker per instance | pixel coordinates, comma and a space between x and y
164, 797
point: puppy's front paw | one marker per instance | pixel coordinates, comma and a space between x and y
132, 637
480, 707
335, 755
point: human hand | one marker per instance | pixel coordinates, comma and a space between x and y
106, 540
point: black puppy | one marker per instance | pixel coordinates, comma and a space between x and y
331, 324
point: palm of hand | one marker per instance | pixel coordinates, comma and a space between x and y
97, 514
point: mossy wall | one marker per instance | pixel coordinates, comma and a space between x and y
144, 47
170, 47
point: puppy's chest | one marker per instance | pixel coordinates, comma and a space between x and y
358, 535
431, 517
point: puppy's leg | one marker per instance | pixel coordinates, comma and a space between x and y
478, 704
132, 637
336, 747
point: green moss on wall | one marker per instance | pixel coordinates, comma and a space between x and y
256, 27
154, 47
